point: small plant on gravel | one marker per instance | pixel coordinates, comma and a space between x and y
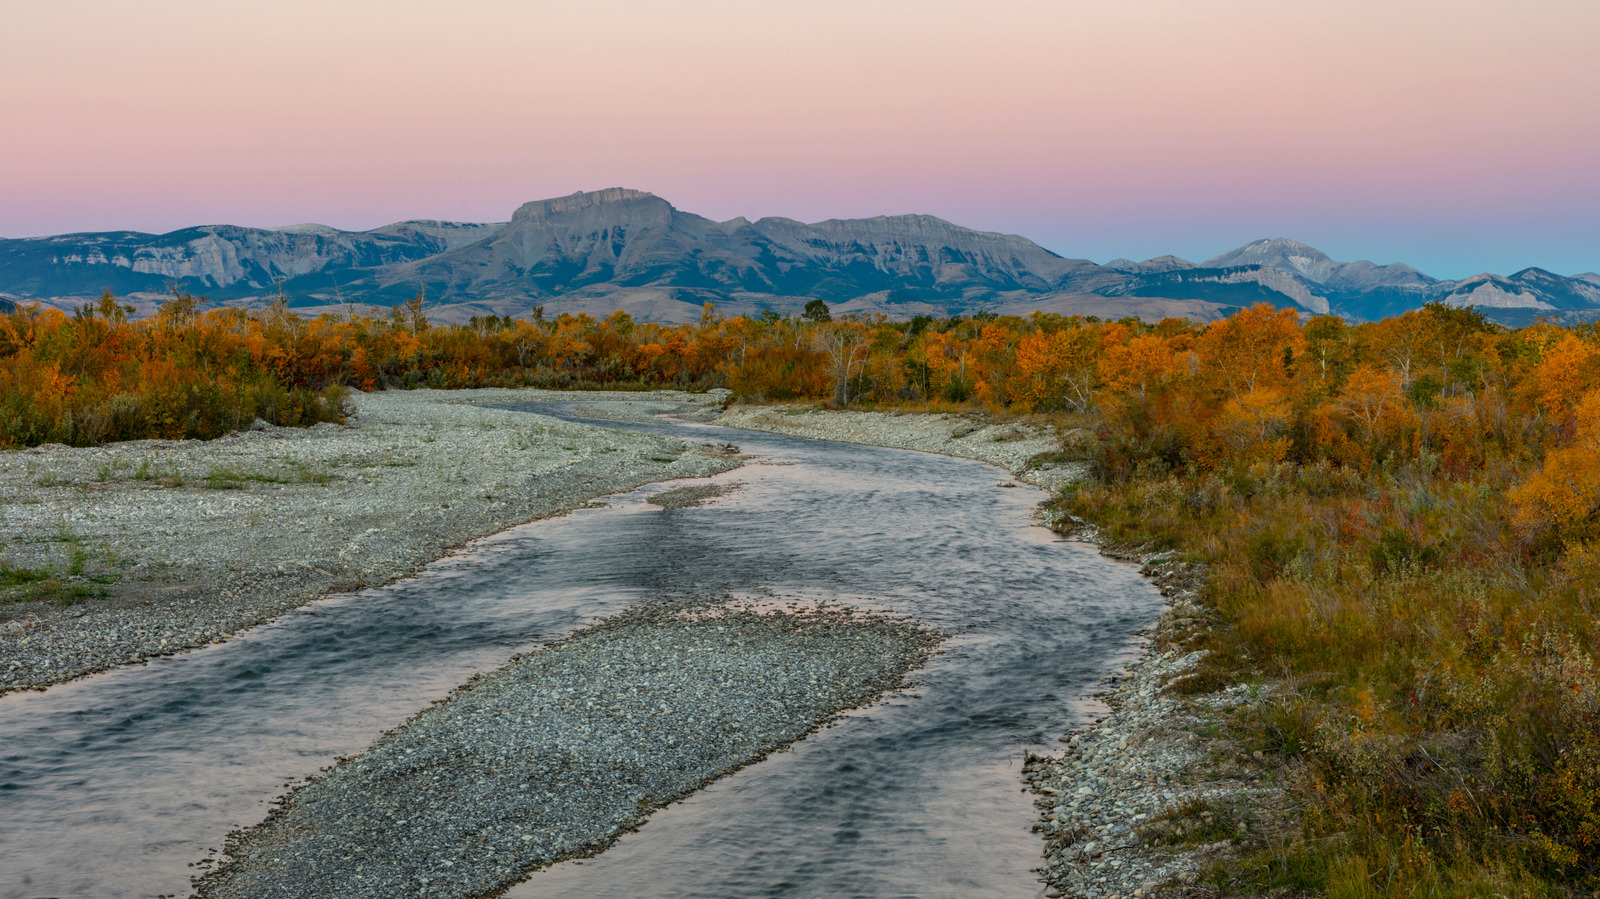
224, 478
65, 534
1196, 821
35, 584
77, 558
142, 473
306, 474
67, 594
13, 576
170, 475
107, 470
112, 558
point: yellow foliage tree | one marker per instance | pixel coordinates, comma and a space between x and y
1372, 398
1062, 365
1564, 496
1138, 366
1562, 375
1253, 426
1251, 350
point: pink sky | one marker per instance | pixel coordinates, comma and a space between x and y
1458, 136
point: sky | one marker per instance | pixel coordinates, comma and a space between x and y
1459, 136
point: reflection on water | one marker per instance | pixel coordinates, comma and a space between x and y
111, 786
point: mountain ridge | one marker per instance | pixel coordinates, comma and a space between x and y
595, 251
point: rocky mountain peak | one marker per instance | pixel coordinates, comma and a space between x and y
1168, 263
584, 200
306, 228
1300, 260
1278, 252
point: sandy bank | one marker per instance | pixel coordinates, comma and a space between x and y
118, 553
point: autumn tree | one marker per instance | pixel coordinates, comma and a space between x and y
1251, 350
1060, 366
1563, 497
845, 344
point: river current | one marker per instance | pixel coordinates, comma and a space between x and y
117, 784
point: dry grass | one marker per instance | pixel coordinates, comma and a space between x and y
1444, 721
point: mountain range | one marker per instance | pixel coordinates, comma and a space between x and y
625, 249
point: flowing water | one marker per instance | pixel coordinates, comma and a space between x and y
113, 785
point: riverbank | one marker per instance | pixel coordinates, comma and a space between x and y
128, 551
558, 753
1156, 796
1151, 796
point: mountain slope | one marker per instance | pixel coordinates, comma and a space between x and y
608, 241
223, 260
617, 248
1314, 266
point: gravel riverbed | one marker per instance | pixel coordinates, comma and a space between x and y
150, 548
564, 749
118, 553
1013, 446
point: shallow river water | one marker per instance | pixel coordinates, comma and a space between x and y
113, 785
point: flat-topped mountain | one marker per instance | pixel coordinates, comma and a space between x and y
618, 240
617, 248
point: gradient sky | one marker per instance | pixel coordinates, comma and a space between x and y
1457, 135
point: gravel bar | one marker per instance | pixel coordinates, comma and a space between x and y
689, 497
118, 553
564, 749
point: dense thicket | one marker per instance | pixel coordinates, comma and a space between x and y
1402, 517
94, 376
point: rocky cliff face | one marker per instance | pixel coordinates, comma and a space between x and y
630, 239
602, 250
1315, 267
224, 260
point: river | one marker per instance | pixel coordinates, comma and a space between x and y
117, 784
